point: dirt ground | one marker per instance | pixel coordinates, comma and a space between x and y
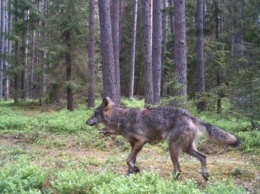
223, 162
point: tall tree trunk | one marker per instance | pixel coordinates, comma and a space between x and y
218, 79
2, 44
171, 5
44, 54
200, 56
180, 59
147, 48
91, 55
9, 51
132, 75
16, 52
24, 76
164, 46
157, 50
31, 91
108, 67
69, 71
116, 49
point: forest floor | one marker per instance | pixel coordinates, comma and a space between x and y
60, 151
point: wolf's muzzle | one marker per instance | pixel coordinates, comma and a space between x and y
91, 121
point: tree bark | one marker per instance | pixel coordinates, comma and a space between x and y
200, 56
16, 51
108, 67
180, 59
31, 91
147, 48
116, 49
132, 75
91, 55
157, 50
8, 49
69, 71
164, 47
2, 44
44, 53
24, 75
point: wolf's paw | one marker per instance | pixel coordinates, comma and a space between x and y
133, 170
136, 169
176, 175
205, 176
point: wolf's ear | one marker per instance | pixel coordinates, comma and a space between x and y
106, 103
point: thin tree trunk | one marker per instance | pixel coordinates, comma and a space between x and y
69, 71
24, 77
16, 51
9, 51
44, 65
180, 59
91, 55
171, 5
31, 93
2, 45
218, 78
147, 47
157, 50
116, 49
200, 56
107, 53
164, 46
132, 75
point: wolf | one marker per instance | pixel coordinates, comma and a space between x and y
151, 125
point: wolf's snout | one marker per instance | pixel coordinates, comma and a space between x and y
91, 121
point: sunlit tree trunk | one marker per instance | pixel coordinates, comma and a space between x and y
132, 75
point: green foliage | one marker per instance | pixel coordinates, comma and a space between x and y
21, 171
225, 187
245, 95
19, 175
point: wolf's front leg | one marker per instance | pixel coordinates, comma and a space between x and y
136, 148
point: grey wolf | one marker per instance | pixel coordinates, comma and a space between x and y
151, 125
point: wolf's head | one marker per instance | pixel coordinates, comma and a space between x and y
99, 112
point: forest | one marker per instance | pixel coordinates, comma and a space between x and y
59, 58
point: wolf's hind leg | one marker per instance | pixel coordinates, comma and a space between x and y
136, 148
193, 152
174, 149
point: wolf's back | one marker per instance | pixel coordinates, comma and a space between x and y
218, 135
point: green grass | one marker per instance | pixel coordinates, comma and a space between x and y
19, 175
26, 171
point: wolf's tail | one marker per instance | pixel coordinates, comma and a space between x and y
218, 135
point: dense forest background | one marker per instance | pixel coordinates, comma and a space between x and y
205, 51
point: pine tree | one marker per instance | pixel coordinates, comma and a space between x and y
147, 48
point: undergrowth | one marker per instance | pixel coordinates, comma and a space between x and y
20, 174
